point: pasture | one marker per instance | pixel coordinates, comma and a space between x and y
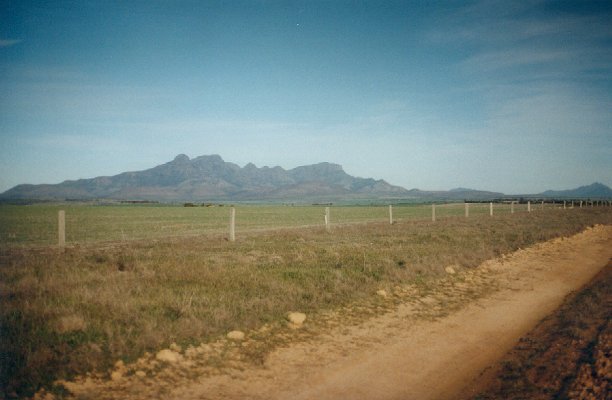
134, 279
36, 225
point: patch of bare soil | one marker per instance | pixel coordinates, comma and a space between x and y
567, 356
416, 341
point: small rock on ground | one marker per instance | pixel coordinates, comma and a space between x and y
168, 356
296, 318
236, 335
116, 375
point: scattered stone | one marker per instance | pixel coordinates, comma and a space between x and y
450, 270
191, 352
429, 300
116, 376
382, 293
295, 320
235, 335
169, 356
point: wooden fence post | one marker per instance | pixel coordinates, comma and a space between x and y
467, 210
61, 228
327, 219
390, 214
580, 203
511, 207
433, 213
564, 204
542, 205
491, 209
232, 227
528, 206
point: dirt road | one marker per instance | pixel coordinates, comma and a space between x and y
429, 347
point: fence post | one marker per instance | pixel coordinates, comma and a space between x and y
580, 203
512, 207
327, 219
433, 213
528, 206
390, 214
61, 228
232, 227
467, 210
542, 205
491, 209
564, 204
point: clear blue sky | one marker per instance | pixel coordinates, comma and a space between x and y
498, 95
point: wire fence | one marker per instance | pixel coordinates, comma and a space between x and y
39, 225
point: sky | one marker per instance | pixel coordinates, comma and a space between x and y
510, 96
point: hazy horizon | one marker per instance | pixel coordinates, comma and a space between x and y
513, 97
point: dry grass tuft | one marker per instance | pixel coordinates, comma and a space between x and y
70, 324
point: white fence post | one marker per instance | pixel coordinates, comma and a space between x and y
232, 227
542, 205
564, 202
433, 213
528, 206
467, 210
61, 228
327, 219
511, 207
491, 209
390, 214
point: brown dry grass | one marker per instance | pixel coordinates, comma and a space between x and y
70, 312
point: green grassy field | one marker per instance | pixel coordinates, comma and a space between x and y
71, 311
37, 224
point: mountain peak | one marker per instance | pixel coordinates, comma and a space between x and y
181, 158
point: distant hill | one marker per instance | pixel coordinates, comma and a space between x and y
453, 195
208, 178
595, 191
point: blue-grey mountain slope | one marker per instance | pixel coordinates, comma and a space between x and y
208, 178
595, 191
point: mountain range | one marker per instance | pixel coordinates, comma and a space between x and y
210, 178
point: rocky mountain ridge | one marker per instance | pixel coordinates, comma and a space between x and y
209, 178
